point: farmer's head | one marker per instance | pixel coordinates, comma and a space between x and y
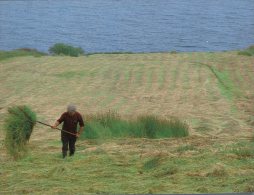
71, 109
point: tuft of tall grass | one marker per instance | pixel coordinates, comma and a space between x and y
156, 127
112, 125
247, 52
20, 52
151, 125
18, 127
151, 163
105, 125
64, 49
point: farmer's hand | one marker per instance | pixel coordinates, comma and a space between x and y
77, 134
55, 125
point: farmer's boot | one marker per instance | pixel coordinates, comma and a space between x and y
64, 154
71, 153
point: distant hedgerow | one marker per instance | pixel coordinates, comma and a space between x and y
20, 52
18, 126
64, 49
110, 124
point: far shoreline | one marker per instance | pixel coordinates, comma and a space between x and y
6, 54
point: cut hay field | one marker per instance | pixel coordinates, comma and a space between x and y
212, 92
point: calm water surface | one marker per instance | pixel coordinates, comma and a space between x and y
128, 25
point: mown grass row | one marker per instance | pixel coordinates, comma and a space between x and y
110, 125
226, 84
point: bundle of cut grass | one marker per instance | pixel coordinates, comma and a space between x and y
18, 126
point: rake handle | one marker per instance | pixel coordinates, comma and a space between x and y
56, 128
45, 123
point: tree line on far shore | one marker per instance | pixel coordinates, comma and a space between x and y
62, 49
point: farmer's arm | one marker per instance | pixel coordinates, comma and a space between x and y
59, 121
81, 125
81, 128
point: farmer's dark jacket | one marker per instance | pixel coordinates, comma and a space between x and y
70, 122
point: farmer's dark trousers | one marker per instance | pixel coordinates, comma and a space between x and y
68, 141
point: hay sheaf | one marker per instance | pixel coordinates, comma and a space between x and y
18, 126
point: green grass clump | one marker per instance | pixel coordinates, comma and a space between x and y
18, 126
106, 125
151, 125
151, 163
247, 52
20, 52
64, 49
111, 125
155, 127
244, 152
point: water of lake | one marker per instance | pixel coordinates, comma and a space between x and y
128, 25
